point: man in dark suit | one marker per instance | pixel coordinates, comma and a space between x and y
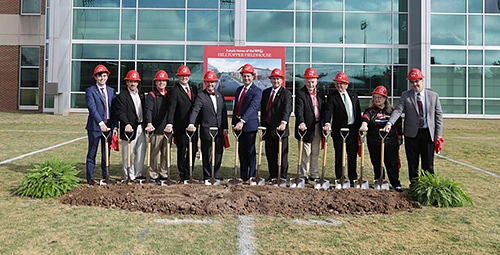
423, 123
342, 110
246, 119
308, 106
275, 110
128, 109
99, 99
180, 99
210, 111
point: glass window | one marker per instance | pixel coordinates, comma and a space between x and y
448, 81
491, 6
448, 29
364, 55
329, 5
491, 81
95, 51
28, 97
302, 27
289, 54
226, 30
194, 52
160, 52
96, 24
202, 3
326, 73
270, 4
128, 52
368, 28
128, 3
281, 30
492, 57
78, 100
401, 33
327, 55
400, 82
475, 107
400, 5
29, 77
475, 57
475, 30
453, 106
363, 5
30, 7
30, 56
128, 25
475, 6
491, 107
491, 33
327, 27
148, 70
475, 82
81, 74
98, 3
201, 26
161, 4
364, 78
161, 25
454, 6
302, 4
448, 57
226, 4
302, 54
401, 56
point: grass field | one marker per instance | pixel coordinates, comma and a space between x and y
36, 226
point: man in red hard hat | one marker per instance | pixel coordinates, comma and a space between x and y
129, 110
180, 100
99, 99
342, 110
155, 116
423, 123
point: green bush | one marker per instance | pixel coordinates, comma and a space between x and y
52, 178
434, 190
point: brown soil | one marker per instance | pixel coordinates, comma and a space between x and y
198, 199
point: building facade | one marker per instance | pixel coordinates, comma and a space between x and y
456, 44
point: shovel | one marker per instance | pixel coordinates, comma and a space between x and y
381, 183
298, 182
128, 156
190, 151
343, 183
148, 156
278, 181
213, 133
361, 183
235, 181
106, 140
257, 180
168, 181
322, 183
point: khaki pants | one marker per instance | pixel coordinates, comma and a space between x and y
309, 166
137, 153
158, 152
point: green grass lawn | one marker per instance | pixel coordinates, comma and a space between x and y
44, 226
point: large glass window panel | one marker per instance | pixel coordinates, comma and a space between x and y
30, 56
400, 5
125, 66
475, 107
226, 33
327, 55
98, 3
270, 4
491, 81
302, 54
329, 5
448, 81
203, 3
160, 52
128, 3
475, 30
448, 29
475, 6
326, 73
226, 4
289, 54
28, 97
78, 100
197, 74
81, 74
30, 7
492, 57
492, 30
95, 51
475, 57
450, 6
161, 4
96, 24
49, 101
194, 52
475, 81
200, 26
492, 107
364, 78
259, 30
367, 55
289, 77
327, 27
491, 6
401, 33
161, 25
368, 28
29, 77
453, 106
448, 57
302, 4
128, 25
400, 82
128, 52
363, 5
303, 25
148, 72
401, 56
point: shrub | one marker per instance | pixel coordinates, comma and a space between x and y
432, 189
51, 178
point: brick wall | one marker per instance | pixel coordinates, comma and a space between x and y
9, 77
10, 6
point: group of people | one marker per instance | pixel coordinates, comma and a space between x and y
183, 109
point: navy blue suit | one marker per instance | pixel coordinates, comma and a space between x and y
250, 114
97, 113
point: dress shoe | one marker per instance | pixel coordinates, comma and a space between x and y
247, 181
91, 182
398, 189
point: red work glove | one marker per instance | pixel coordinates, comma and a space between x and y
438, 144
114, 142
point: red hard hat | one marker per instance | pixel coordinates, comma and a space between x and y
277, 73
414, 74
380, 90
161, 76
183, 71
133, 75
247, 68
310, 73
210, 76
101, 69
341, 77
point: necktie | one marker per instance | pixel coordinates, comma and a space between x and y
188, 91
347, 108
269, 105
211, 93
103, 94
240, 102
420, 111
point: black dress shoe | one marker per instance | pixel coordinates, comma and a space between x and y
91, 182
398, 189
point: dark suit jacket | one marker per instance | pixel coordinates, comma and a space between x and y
304, 112
125, 112
204, 113
336, 115
280, 110
249, 108
96, 106
179, 107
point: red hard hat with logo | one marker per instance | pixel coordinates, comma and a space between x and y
101, 69
380, 90
414, 74
161, 76
247, 68
133, 75
210, 76
341, 77
183, 71
310, 73
276, 73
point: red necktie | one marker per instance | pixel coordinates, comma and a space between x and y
269, 105
211, 93
188, 92
105, 105
240, 102
420, 111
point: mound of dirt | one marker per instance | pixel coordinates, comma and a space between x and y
198, 199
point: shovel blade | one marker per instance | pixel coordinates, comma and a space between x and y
346, 184
297, 183
103, 182
363, 185
282, 182
234, 182
254, 181
212, 182
322, 184
193, 181
381, 185
166, 182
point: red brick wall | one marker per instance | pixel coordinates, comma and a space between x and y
9, 77
10, 6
